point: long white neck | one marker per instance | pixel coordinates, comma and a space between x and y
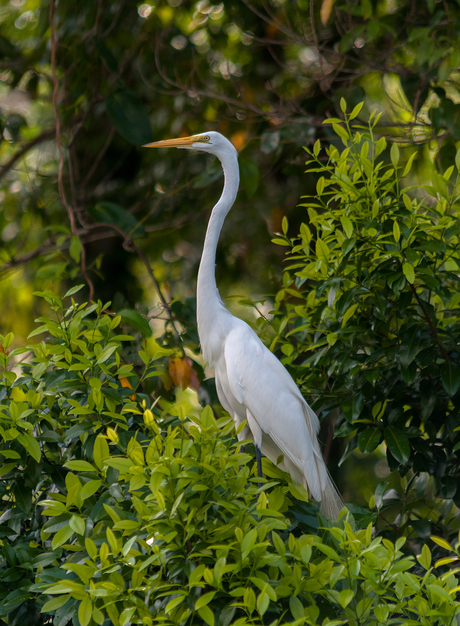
208, 299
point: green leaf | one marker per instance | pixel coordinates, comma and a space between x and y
381, 613
61, 537
394, 155
408, 271
129, 117
121, 464
91, 548
54, 603
23, 496
73, 291
296, 608
352, 407
345, 597
398, 444
347, 226
207, 615
137, 321
349, 313
90, 488
77, 524
31, 445
204, 600
322, 250
410, 345
101, 450
450, 376
369, 439
75, 249
409, 164
341, 131
396, 231
80, 466
107, 353
263, 602
356, 111
442, 542
85, 610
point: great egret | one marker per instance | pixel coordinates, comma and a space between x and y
252, 385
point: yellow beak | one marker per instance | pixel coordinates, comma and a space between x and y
181, 142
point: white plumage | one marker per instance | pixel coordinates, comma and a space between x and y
252, 385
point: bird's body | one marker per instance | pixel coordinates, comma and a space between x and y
252, 384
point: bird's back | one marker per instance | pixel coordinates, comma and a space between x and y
250, 377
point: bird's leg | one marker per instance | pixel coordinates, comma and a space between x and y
256, 432
259, 464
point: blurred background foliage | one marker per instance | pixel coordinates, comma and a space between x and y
81, 91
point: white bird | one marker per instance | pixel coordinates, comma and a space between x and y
252, 384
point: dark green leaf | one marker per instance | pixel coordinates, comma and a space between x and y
398, 444
450, 375
352, 407
137, 321
369, 439
409, 347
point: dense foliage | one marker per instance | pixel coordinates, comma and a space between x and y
119, 510
369, 310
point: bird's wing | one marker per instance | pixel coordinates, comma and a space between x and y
260, 382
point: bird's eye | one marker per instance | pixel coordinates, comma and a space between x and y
207, 138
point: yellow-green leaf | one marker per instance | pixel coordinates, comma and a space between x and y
322, 250
425, 557
345, 597
441, 542
396, 231
206, 614
85, 611
347, 226
349, 313
408, 271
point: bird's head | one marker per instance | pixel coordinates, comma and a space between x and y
211, 142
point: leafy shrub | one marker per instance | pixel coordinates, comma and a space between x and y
369, 310
117, 510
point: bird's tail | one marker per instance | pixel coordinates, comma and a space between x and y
331, 501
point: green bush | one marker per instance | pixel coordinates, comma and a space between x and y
119, 510
368, 315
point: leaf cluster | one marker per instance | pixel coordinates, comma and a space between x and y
369, 313
122, 510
